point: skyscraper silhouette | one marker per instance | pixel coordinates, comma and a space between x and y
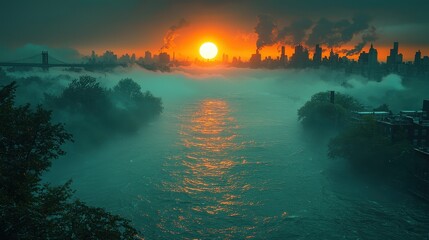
395, 57
255, 59
417, 58
300, 57
372, 56
317, 57
147, 56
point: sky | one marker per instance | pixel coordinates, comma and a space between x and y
237, 27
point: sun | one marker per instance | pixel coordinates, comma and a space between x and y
208, 50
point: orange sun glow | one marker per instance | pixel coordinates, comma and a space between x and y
208, 50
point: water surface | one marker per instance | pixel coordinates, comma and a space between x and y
234, 163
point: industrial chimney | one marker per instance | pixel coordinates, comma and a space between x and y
332, 98
426, 109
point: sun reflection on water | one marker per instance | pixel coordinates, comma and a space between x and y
207, 178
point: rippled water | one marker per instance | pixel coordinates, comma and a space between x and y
237, 165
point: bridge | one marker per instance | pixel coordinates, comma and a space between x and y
49, 62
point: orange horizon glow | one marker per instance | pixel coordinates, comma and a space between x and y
272, 51
235, 43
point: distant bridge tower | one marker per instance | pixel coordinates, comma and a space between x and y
45, 60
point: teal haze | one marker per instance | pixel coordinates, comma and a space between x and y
227, 159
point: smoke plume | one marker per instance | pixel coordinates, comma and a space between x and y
325, 32
369, 36
337, 33
172, 34
296, 32
267, 31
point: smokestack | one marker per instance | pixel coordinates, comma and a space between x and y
426, 109
332, 98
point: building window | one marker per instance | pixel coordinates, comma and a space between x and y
415, 142
416, 132
424, 132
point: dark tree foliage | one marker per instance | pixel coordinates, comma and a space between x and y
129, 96
319, 111
84, 96
29, 209
369, 150
97, 112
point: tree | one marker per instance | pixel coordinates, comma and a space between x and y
94, 113
29, 209
320, 111
128, 93
83, 95
367, 149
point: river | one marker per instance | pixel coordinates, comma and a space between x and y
231, 161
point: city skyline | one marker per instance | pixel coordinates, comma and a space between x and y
408, 55
135, 26
317, 56
368, 63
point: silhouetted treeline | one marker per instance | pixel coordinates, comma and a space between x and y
94, 112
32, 210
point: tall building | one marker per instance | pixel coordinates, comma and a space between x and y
282, 56
418, 58
317, 57
363, 58
372, 56
395, 57
425, 61
147, 56
333, 57
225, 58
300, 57
164, 58
155, 58
255, 59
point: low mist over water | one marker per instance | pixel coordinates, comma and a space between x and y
228, 159
214, 119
